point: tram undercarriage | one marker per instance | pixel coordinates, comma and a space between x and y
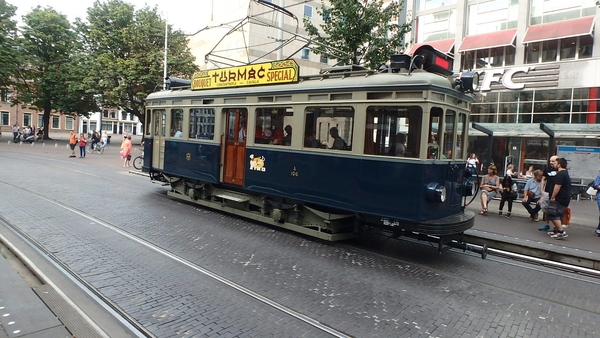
316, 221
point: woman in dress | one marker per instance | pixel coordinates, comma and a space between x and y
489, 187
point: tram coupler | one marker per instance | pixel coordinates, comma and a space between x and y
482, 250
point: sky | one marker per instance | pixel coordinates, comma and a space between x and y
185, 15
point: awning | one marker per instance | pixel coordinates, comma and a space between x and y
560, 30
444, 46
488, 40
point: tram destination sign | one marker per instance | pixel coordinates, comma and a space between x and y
284, 71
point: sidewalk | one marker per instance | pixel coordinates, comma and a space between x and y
519, 234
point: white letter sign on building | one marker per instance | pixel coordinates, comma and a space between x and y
503, 76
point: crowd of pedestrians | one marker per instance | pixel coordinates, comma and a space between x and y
547, 192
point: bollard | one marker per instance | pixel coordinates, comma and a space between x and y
20, 143
43, 144
55, 145
32, 143
67, 146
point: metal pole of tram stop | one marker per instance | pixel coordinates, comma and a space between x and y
490, 135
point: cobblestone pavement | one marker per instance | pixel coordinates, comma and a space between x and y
353, 291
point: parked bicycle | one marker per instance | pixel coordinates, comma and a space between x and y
98, 148
138, 162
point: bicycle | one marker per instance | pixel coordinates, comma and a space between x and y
98, 148
138, 162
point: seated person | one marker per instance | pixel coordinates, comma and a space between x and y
400, 147
489, 186
338, 142
178, 133
510, 171
287, 141
310, 140
532, 194
508, 193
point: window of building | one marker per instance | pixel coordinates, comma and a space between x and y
3, 94
40, 120
329, 127
26, 119
202, 123
55, 121
274, 126
69, 123
436, 26
305, 53
123, 115
487, 16
176, 123
490, 57
323, 58
308, 11
4, 118
105, 113
393, 131
559, 50
113, 114
546, 11
423, 5
107, 126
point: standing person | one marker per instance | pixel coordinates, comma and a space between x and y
473, 164
104, 139
489, 186
532, 194
596, 185
15, 130
72, 143
82, 143
127, 151
560, 197
548, 186
508, 193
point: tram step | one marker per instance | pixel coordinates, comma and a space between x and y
236, 198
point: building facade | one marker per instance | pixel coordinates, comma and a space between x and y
538, 62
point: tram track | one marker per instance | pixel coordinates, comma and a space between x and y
124, 316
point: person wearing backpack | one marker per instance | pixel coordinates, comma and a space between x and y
95, 139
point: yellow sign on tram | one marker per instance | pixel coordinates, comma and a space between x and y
284, 71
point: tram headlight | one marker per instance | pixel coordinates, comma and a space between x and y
436, 192
468, 81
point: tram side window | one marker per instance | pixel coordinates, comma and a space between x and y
160, 121
329, 127
435, 118
461, 133
393, 131
449, 131
274, 126
176, 123
202, 123
148, 119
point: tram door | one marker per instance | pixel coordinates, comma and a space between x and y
235, 146
159, 124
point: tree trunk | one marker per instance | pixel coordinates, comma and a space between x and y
46, 120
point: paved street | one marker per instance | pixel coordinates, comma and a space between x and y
109, 227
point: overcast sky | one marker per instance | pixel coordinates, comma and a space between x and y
187, 15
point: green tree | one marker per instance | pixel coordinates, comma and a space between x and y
126, 49
9, 56
49, 78
365, 31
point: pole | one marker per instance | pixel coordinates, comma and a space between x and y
280, 37
166, 44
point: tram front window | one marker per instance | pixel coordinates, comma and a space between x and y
393, 131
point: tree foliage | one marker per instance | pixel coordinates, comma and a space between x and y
9, 53
51, 68
361, 32
126, 52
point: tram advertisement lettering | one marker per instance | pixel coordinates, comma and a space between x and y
285, 71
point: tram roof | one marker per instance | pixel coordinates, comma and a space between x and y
417, 80
557, 130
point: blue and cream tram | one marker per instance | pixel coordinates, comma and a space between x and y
323, 155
